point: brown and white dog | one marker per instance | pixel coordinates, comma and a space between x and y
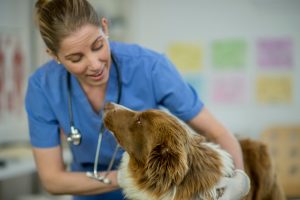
165, 160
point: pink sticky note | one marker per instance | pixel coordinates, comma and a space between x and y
229, 89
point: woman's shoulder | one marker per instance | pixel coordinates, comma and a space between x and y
131, 50
136, 57
135, 60
48, 73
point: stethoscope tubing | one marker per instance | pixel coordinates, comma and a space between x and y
98, 149
75, 136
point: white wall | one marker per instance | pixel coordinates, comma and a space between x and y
157, 23
15, 21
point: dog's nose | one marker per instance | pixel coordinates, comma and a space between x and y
108, 106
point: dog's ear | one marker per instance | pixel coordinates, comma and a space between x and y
167, 165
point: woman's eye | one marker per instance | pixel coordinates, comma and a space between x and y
75, 60
98, 46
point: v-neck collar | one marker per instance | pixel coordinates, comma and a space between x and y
110, 96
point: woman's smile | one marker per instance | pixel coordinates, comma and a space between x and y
98, 75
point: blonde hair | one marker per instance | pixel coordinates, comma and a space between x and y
57, 19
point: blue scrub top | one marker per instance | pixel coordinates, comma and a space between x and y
148, 80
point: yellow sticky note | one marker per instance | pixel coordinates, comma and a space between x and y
186, 56
274, 89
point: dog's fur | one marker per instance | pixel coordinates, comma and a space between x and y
164, 160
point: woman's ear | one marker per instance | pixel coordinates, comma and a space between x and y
51, 54
104, 24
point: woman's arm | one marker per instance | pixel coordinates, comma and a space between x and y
238, 185
57, 180
206, 124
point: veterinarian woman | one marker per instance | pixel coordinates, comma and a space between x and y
66, 95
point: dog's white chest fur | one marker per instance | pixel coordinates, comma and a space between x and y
127, 183
127, 180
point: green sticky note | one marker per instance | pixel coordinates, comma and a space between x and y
229, 54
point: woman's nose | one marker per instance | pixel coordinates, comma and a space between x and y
94, 63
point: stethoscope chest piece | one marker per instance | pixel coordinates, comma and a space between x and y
97, 177
74, 137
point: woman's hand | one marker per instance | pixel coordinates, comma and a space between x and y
235, 187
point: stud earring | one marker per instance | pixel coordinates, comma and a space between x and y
57, 61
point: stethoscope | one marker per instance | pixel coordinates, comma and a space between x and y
75, 136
